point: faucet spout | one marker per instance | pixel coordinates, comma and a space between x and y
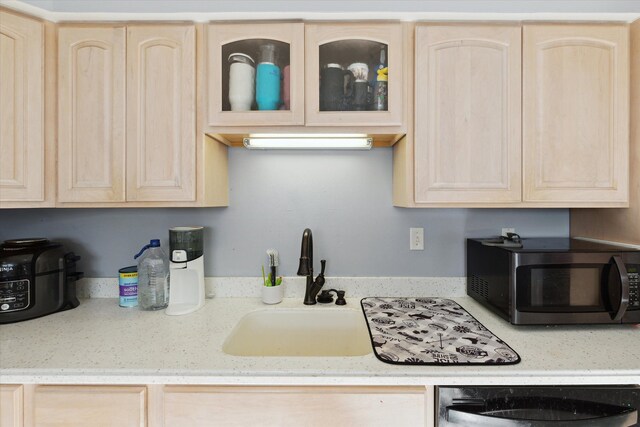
306, 254
306, 269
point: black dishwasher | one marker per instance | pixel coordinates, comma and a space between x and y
584, 406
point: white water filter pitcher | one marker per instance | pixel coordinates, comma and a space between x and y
186, 270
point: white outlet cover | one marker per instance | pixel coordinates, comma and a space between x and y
508, 230
416, 239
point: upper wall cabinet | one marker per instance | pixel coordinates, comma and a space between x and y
161, 118
474, 147
467, 146
305, 77
576, 114
126, 122
91, 126
22, 115
255, 74
354, 74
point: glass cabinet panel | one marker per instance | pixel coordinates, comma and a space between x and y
355, 74
255, 74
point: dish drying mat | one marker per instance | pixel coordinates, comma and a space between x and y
431, 331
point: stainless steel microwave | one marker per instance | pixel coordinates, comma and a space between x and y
546, 281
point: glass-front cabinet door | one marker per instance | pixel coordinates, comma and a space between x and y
354, 74
255, 74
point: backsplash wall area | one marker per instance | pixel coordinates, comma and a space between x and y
344, 197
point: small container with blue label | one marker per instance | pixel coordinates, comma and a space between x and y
128, 281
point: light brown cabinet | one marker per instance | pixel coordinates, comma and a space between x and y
294, 406
224, 39
576, 114
468, 82
127, 120
346, 44
71, 405
11, 405
467, 148
620, 225
91, 123
192, 405
26, 154
307, 48
161, 134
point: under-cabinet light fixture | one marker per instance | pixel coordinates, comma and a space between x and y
313, 141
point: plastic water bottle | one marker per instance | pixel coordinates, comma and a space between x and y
153, 277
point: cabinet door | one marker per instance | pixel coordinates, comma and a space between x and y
71, 406
224, 40
575, 114
342, 46
161, 138
294, 406
22, 145
11, 404
91, 114
467, 141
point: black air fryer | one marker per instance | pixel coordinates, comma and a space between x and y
37, 277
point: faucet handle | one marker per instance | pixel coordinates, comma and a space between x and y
319, 282
325, 297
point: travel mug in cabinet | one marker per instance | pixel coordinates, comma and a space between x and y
241, 82
336, 86
360, 98
268, 79
286, 87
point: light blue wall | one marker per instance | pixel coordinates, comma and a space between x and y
344, 197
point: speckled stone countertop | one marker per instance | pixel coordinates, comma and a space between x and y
101, 343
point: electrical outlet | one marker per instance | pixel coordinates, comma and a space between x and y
416, 239
508, 230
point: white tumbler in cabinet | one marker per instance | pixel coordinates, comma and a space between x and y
186, 270
242, 75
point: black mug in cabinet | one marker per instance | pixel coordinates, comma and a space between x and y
336, 87
361, 96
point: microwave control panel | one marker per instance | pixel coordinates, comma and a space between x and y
633, 272
14, 295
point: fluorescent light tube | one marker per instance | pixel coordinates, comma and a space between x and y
308, 142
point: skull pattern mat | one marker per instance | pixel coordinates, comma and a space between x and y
431, 331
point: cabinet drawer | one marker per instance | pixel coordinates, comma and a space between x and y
294, 406
11, 397
89, 405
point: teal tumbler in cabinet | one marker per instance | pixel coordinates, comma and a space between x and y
268, 80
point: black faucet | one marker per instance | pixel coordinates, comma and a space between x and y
306, 268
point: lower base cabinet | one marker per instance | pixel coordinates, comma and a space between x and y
157, 405
294, 406
11, 412
72, 406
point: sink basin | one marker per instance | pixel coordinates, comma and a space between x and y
300, 332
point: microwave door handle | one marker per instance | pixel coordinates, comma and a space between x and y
624, 288
467, 416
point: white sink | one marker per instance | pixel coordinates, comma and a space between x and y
300, 332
